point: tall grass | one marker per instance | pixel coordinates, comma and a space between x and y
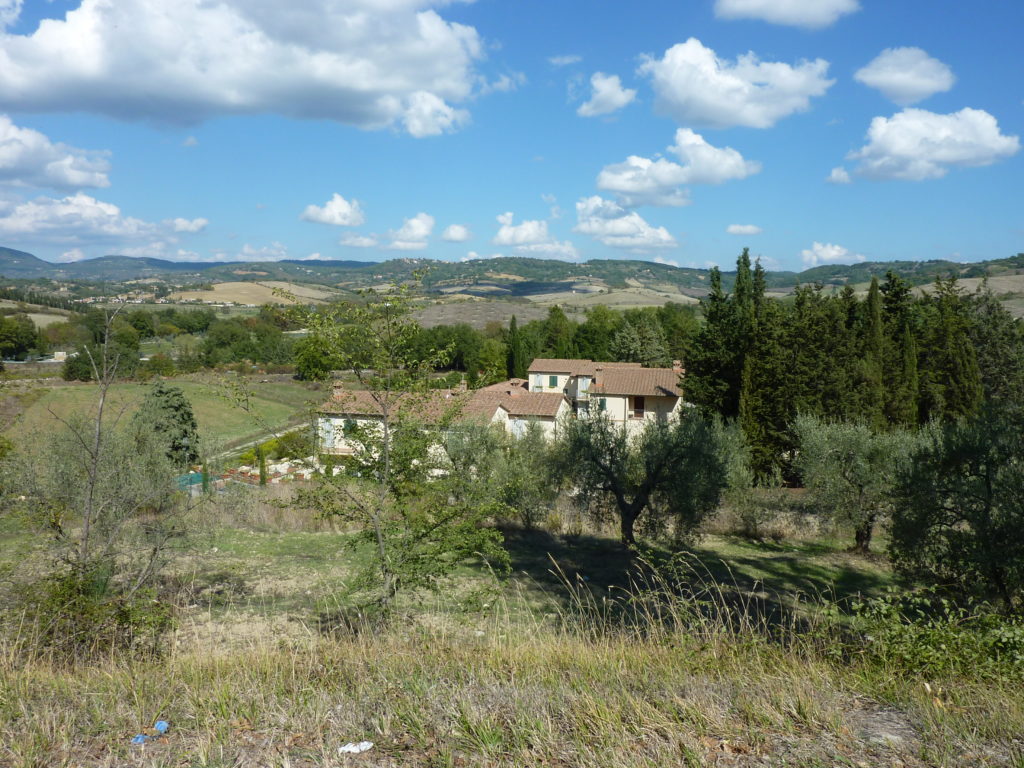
668, 671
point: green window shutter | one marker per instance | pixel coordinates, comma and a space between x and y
601, 404
552, 381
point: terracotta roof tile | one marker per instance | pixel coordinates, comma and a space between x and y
648, 382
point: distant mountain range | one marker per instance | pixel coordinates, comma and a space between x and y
523, 273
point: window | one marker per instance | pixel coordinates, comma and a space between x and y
638, 407
538, 381
602, 404
552, 381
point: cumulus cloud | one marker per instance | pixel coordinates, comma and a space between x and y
337, 211
906, 75
362, 63
359, 241
190, 141
810, 14
273, 252
839, 175
473, 256
642, 181
916, 144
72, 219
29, 159
526, 233
187, 225
828, 253
607, 95
564, 61
413, 234
552, 250
613, 225
743, 229
75, 254
693, 85
9, 12
456, 233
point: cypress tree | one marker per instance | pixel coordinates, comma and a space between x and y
874, 359
262, 457
517, 363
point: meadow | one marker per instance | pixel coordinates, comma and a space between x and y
527, 668
278, 402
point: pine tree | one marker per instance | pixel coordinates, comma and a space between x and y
517, 362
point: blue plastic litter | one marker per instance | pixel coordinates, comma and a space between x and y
161, 726
139, 738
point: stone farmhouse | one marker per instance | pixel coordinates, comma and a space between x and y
626, 393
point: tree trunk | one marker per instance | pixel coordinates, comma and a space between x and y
862, 536
627, 517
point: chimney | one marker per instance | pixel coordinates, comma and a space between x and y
677, 366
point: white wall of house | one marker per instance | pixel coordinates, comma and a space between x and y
331, 432
622, 409
548, 382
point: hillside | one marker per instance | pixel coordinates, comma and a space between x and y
512, 278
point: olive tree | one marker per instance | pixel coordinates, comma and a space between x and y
851, 469
669, 475
959, 514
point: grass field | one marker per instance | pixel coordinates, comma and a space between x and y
532, 676
221, 424
258, 293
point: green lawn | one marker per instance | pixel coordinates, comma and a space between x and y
273, 405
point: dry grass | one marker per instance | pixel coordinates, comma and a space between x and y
257, 293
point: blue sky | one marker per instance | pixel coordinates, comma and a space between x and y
812, 131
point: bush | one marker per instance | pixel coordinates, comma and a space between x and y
80, 615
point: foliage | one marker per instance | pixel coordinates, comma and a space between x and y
18, 336
922, 633
423, 514
167, 412
670, 472
959, 518
524, 480
851, 470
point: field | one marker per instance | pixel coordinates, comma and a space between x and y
221, 424
529, 672
258, 293
40, 315
478, 312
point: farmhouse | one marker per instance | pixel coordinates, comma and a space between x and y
625, 393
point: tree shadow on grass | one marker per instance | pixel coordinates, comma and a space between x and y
762, 587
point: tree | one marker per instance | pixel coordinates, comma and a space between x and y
517, 362
422, 514
558, 334
959, 515
102, 492
670, 473
167, 412
851, 470
640, 341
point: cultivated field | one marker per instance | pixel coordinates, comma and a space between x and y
479, 312
258, 293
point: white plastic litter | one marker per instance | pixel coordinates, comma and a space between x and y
354, 748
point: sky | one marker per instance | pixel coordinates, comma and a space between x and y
810, 131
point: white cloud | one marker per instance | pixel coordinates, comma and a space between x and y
564, 61
9, 12
413, 234
906, 75
273, 252
642, 181
456, 233
613, 225
363, 63
666, 262
839, 175
694, 86
187, 225
827, 253
29, 159
811, 14
526, 233
607, 95
75, 254
191, 141
743, 229
916, 144
72, 219
504, 83
473, 256
552, 250
337, 211
358, 241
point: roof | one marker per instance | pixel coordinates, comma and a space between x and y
573, 367
436, 405
432, 405
646, 382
